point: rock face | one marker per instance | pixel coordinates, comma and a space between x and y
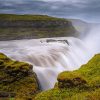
14, 27
53, 40
70, 80
17, 79
82, 84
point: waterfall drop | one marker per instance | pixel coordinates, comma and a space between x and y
50, 56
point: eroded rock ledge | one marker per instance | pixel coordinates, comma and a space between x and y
16, 27
17, 79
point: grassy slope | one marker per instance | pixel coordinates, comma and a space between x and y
14, 17
43, 27
82, 84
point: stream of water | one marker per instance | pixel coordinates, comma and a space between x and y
49, 57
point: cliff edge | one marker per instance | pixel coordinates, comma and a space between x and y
17, 79
15, 27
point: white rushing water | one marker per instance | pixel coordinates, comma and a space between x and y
49, 57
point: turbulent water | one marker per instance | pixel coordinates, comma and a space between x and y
52, 56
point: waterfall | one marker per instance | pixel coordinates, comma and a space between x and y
49, 57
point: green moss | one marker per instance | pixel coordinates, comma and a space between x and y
17, 78
90, 72
70, 80
64, 94
3, 57
15, 65
9, 64
81, 84
67, 75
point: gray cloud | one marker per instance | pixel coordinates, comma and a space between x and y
86, 10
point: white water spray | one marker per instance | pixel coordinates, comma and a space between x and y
51, 58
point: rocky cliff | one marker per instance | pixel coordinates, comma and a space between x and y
34, 26
17, 79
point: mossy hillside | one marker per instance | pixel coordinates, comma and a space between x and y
34, 26
68, 94
80, 84
17, 78
71, 80
13, 17
90, 73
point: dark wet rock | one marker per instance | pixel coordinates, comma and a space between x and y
7, 94
53, 40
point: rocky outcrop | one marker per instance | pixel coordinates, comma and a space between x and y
17, 79
80, 84
71, 80
14, 27
34, 23
53, 40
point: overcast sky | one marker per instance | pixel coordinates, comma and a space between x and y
88, 10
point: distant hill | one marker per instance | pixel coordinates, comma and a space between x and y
14, 27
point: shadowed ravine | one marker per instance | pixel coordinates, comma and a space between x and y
52, 56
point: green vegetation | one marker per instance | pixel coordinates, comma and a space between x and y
13, 17
15, 27
81, 84
17, 79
